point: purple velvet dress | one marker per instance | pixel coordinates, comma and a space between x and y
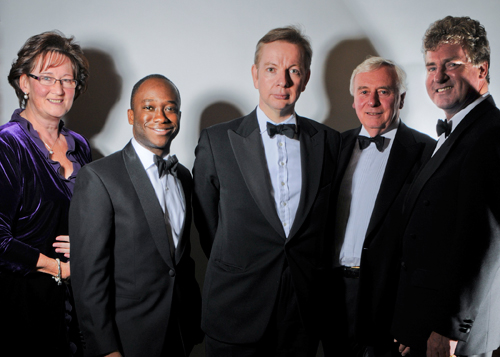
34, 204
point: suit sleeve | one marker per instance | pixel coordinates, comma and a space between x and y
205, 193
474, 258
91, 230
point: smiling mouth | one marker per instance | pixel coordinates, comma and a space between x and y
441, 90
374, 114
162, 131
55, 101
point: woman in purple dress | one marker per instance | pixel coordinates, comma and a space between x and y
39, 160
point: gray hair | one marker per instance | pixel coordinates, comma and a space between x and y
374, 63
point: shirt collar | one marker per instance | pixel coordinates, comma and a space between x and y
145, 156
390, 133
457, 118
262, 118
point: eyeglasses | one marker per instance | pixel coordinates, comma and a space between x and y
50, 81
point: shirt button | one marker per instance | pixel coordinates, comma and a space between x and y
282, 163
283, 204
284, 224
282, 184
280, 144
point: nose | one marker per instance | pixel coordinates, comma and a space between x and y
57, 87
373, 100
160, 115
284, 79
440, 75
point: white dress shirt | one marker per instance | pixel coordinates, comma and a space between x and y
457, 118
285, 169
357, 196
168, 189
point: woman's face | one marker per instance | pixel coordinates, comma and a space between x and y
49, 102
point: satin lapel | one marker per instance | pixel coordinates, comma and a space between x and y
348, 142
405, 151
312, 149
185, 178
149, 202
248, 150
436, 161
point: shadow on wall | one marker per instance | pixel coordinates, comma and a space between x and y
340, 63
218, 112
90, 111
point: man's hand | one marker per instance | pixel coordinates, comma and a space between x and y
440, 346
114, 354
404, 350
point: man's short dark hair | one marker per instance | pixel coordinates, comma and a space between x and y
464, 31
151, 76
290, 34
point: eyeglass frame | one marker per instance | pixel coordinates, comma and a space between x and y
66, 80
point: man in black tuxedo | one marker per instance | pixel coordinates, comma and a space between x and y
130, 216
377, 163
262, 202
449, 293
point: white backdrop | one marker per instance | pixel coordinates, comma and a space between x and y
206, 48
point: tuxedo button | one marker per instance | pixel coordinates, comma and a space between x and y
403, 265
426, 202
171, 273
464, 329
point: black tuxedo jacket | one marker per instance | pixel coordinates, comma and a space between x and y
242, 235
123, 276
381, 254
450, 276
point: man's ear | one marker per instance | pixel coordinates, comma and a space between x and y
402, 102
255, 76
130, 114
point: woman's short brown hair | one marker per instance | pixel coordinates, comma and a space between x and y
46, 43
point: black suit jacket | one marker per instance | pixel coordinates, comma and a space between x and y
450, 277
381, 254
242, 235
124, 279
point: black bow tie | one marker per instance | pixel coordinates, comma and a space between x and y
166, 167
282, 129
365, 141
443, 126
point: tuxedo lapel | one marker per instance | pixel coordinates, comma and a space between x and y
312, 148
405, 151
435, 162
348, 142
149, 202
248, 150
185, 179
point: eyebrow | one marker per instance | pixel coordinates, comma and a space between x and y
382, 87
147, 100
446, 60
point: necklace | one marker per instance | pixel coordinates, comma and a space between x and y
51, 152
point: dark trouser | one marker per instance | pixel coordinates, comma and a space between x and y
174, 344
342, 340
285, 335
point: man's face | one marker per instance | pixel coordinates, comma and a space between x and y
156, 115
376, 99
280, 77
452, 81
